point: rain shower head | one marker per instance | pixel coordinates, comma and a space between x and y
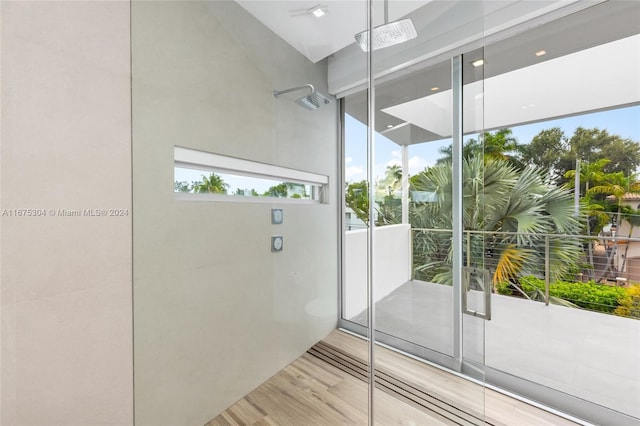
312, 101
389, 34
386, 35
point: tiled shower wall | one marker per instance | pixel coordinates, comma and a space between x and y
65, 266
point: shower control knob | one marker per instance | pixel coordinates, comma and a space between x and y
276, 243
277, 216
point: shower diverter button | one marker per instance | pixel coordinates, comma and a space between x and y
276, 243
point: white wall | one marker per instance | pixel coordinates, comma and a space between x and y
587, 354
65, 281
392, 265
216, 312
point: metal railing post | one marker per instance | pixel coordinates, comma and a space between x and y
411, 260
468, 249
546, 270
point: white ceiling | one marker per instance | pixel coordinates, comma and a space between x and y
567, 85
317, 38
584, 69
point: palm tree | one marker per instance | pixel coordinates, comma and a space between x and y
392, 180
213, 184
632, 217
516, 204
501, 145
498, 145
590, 173
617, 185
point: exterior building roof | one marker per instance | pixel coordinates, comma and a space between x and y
627, 197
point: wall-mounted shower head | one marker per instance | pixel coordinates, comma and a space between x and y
312, 101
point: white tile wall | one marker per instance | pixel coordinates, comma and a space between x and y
66, 281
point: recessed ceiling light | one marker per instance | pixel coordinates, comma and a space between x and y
434, 88
318, 11
478, 63
541, 52
389, 126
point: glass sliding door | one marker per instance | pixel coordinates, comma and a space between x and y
426, 300
561, 103
499, 157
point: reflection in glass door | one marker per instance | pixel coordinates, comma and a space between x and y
419, 266
476, 172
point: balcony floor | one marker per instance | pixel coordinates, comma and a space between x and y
589, 355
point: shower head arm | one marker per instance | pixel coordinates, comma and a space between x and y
277, 93
386, 11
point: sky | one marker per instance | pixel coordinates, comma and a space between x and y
234, 181
624, 122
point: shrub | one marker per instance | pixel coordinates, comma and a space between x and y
589, 295
630, 303
504, 288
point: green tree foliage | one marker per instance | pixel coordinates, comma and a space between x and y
279, 191
212, 184
388, 207
591, 145
617, 185
182, 186
357, 199
392, 180
543, 151
552, 150
629, 304
498, 145
296, 190
497, 197
246, 192
389, 211
591, 174
595, 207
632, 217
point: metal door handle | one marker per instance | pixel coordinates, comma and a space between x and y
467, 272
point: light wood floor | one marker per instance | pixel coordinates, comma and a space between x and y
327, 386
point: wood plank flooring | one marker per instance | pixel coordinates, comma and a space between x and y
327, 386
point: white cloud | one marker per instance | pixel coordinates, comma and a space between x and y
354, 173
416, 163
348, 160
396, 159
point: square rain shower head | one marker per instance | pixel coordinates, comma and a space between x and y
313, 101
386, 35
